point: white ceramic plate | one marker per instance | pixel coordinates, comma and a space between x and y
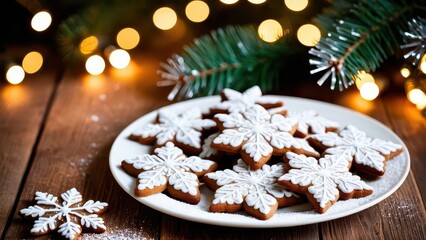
396, 172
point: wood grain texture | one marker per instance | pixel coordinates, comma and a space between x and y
22, 110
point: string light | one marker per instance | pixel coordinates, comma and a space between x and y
309, 35
41, 21
119, 58
270, 30
296, 5
416, 95
423, 64
15, 74
229, 1
362, 78
369, 91
95, 65
197, 11
164, 18
89, 45
32, 62
128, 38
405, 72
257, 1
422, 104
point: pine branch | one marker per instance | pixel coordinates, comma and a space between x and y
233, 57
364, 36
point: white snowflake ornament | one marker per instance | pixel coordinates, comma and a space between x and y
311, 123
255, 191
168, 169
234, 101
368, 155
68, 216
183, 129
257, 135
323, 181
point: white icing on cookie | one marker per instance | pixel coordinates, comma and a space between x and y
257, 132
239, 102
52, 214
171, 166
364, 150
184, 128
258, 188
207, 150
325, 177
310, 122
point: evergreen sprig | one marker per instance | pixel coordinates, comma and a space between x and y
233, 57
359, 37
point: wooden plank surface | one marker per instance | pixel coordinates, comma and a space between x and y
22, 110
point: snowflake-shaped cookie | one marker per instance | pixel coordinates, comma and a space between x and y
257, 135
311, 122
183, 129
233, 101
68, 216
324, 181
169, 169
255, 191
368, 155
207, 152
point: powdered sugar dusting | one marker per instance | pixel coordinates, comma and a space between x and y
115, 234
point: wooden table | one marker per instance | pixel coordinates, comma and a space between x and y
57, 127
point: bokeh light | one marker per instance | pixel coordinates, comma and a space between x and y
421, 104
229, 1
119, 58
32, 62
416, 95
296, 5
369, 91
308, 35
270, 30
128, 38
405, 72
95, 65
41, 21
15, 74
89, 45
423, 64
257, 1
197, 11
363, 78
164, 18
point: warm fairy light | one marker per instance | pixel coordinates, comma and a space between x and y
15, 74
32, 62
423, 64
270, 30
363, 78
128, 38
229, 1
95, 65
257, 1
197, 11
89, 45
422, 104
405, 72
164, 18
41, 21
369, 91
308, 35
416, 95
119, 58
296, 5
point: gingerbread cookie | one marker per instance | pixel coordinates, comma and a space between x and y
369, 155
323, 181
169, 169
311, 123
68, 216
207, 152
256, 135
233, 101
255, 191
182, 129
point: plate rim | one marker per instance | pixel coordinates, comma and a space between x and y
261, 224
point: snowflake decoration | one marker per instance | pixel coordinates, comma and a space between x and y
233, 101
310, 122
207, 151
416, 36
254, 189
256, 134
324, 181
170, 169
68, 216
369, 154
182, 129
